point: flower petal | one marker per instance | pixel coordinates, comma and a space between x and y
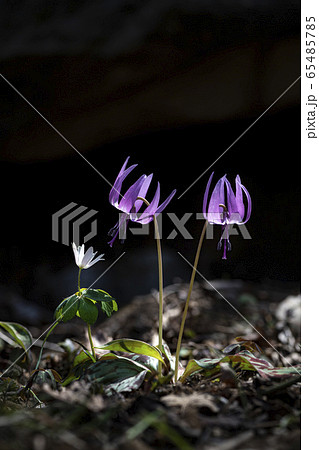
116, 188
80, 255
215, 212
131, 195
248, 212
148, 214
94, 261
206, 196
143, 192
89, 255
76, 253
231, 204
163, 205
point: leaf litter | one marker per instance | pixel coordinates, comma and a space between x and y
233, 397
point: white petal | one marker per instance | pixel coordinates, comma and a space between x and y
87, 257
92, 262
76, 253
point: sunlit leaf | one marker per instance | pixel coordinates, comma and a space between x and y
108, 307
107, 371
87, 311
195, 366
97, 295
19, 333
67, 309
133, 346
243, 360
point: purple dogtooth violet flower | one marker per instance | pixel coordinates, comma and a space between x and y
225, 207
131, 202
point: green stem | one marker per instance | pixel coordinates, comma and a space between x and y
89, 326
160, 291
160, 284
91, 342
79, 277
191, 284
44, 341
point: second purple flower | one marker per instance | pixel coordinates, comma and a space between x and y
131, 202
225, 208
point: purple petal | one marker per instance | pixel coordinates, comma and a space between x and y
148, 214
248, 212
239, 198
163, 205
116, 188
232, 208
131, 195
206, 195
143, 192
215, 212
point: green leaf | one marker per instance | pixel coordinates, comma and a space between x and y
67, 309
243, 360
128, 384
44, 375
19, 333
80, 364
195, 366
87, 311
114, 369
97, 295
133, 346
109, 307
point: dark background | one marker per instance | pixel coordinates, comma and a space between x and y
173, 85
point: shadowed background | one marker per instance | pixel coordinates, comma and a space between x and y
173, 84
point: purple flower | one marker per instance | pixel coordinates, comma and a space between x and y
225, 207
130, 202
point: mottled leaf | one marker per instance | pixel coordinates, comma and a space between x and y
107, 371
19, 333
133, 346
128, 384
243, 360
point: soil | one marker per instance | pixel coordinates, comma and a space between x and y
236, 410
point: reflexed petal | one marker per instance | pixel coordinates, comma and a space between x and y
206, 195
239, 198
163, 205
131, 195
116, 188
232, 208
148, 214
215, 212
248, 212
94, 261
143, 192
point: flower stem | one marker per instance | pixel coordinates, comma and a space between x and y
79, 277
160, 291
160, 284
89, 326
44, 341
191, 284
91, 342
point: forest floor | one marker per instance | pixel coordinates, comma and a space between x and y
234, 410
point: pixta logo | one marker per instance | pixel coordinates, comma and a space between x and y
71, 218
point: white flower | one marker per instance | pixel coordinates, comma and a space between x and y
85, 260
